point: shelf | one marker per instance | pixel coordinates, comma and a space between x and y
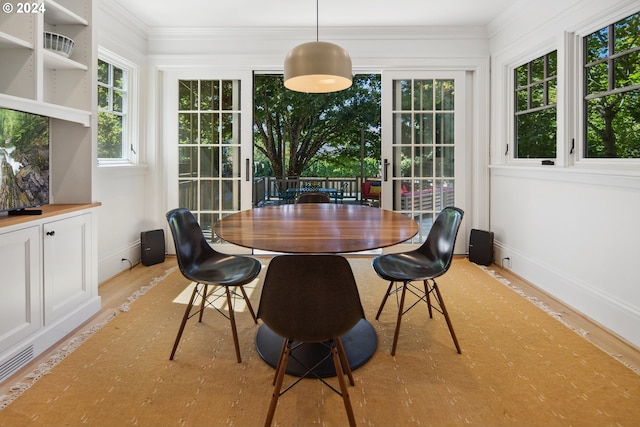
46, 109
9, 41
59, 15
55, 61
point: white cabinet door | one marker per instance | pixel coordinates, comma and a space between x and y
20, 295
67, 275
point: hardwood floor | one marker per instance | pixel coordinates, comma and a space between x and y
115, 292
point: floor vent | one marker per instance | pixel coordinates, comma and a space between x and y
16, 362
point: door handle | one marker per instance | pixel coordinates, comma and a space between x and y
385, 170
51, 233
247, 166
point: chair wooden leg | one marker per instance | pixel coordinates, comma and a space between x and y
398, 321
279, 364
384, 300
232, 320
246, 299
343, 386
284, 359
184, 320
203, 302
446, 316
345, 361
428, 297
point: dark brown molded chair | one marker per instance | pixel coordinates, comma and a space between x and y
313, 197
209, 269
429, 261
310, 298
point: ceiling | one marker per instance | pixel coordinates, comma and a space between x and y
302, 13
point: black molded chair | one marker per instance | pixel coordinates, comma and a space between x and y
310, 298
200, 263
313, 197
431, 260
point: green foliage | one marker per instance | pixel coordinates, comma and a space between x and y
293, 131
612, 108
109, 136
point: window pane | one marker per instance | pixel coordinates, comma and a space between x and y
522, 97
119, 76
230, 162
537, 96
209, 128
230, 195
209, 95
614, 126
627, 70
187, 128
423, 95
402, 95
597, 47
209, 195
230, 98
444, 95
209, 161
423, 166
188, 95
188, 162
552, 92
230, 128
109, 135
597, 78
536, 133
424, 128
445, 128
402, 128
103, 98
188, 193
537, 69
522, 76
118, 101
103, 72
626, 34
552, 64
444, 162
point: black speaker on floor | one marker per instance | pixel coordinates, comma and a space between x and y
152, 247
481, 247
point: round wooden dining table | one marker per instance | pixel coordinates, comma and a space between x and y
317, 228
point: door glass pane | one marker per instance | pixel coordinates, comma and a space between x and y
423, 148
209, 149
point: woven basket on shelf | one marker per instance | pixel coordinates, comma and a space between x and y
58, 43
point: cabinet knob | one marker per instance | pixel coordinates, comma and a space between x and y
51, 233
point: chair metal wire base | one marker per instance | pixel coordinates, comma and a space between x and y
430, 294
207, 299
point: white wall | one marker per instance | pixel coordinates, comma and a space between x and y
570, 229
123, 190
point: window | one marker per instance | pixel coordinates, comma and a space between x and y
535, 108
612, 90
115, 142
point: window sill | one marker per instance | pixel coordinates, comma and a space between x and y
579, 175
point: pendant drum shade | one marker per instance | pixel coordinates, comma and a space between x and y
317, 67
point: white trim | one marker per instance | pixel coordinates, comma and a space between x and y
132, 115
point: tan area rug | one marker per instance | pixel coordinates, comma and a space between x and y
519, 367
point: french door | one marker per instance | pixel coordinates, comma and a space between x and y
423, 146
209, 146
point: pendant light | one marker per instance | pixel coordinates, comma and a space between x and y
317, 67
